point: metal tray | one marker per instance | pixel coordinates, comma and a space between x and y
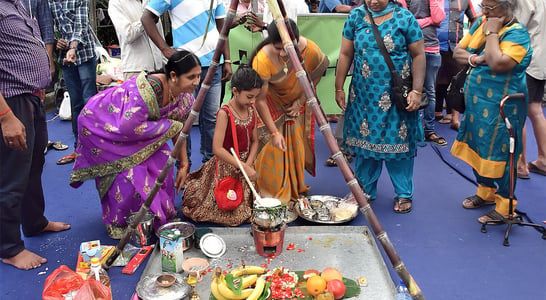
323, 199
321, 247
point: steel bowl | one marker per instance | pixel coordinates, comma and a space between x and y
186, 229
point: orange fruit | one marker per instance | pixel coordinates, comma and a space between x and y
315, 285
331, 273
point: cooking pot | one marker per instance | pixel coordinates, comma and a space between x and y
268, 213
149, 289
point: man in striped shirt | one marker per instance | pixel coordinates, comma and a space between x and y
189, 20
24, 71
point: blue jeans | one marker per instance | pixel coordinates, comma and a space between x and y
81, 83
434, 60
207, 115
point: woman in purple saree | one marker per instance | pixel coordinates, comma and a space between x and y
122, 142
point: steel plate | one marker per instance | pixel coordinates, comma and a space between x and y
324, 199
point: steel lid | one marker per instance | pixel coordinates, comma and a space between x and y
148, 289
212, 245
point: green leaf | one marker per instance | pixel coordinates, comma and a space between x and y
265, 293
234, 283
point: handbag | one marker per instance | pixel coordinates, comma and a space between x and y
401, 87
228, 192
455, 89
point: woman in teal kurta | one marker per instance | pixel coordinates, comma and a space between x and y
483, 139
375, 131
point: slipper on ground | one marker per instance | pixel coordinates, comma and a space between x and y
534, 169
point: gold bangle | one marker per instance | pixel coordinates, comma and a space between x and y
417, 92
227, 61
340, 90
274, 133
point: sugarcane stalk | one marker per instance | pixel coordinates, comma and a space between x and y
342, 163
184, 133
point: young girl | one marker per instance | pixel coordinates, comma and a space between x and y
199, 203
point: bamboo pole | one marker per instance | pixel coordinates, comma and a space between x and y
344, 167
194, 113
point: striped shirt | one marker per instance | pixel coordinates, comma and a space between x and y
189, 20
24, 65
72, 21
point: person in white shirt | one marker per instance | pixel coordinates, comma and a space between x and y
138, 52
532, 14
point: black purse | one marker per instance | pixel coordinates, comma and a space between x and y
455, 90
401, 87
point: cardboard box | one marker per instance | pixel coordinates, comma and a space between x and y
82, 267
172, 253
90, 249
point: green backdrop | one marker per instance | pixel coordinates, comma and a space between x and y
325, 30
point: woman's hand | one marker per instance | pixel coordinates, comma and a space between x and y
181, 177
414, 100
278, 141
293, 109
340, 99
250, 172
493, 24
62, 44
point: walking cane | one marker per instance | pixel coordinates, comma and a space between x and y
196, 107
344, 167
512, 217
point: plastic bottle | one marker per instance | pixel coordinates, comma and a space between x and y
402, 292
98, 273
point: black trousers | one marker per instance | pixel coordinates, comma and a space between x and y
21, 195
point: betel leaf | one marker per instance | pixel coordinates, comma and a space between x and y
234, 283
353, 288
266, 291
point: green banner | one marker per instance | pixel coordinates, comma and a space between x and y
323, 29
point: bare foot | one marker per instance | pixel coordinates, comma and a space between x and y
56, 226
25, 260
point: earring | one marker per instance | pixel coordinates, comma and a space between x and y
173, 80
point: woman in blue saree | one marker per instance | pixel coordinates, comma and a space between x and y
498, 70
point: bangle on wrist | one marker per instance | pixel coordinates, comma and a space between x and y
227, 61
73, 47
5, 112
417, 92
274, 133
471, 60
339, 90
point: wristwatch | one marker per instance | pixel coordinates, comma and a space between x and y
488, 32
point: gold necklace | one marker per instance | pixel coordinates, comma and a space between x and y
171, 97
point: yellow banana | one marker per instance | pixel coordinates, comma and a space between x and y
258, 290
247, 270
249, 280
214, 289
229, 294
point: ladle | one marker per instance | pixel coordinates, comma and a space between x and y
257, 197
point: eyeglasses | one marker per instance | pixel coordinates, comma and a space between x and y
483, 6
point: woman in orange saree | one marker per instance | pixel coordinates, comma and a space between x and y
286, 131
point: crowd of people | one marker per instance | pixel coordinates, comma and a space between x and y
122, 134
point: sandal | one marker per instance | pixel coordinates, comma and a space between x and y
55, 145
401, 201
476, 201
438, 140
494, 218
70, 158
533, 168
445, 120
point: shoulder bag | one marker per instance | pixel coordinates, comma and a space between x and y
400, 87
455, 90
228, 192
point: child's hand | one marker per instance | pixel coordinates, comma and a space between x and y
180, 178
250, 172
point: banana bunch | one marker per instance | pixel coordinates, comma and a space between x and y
248, 276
